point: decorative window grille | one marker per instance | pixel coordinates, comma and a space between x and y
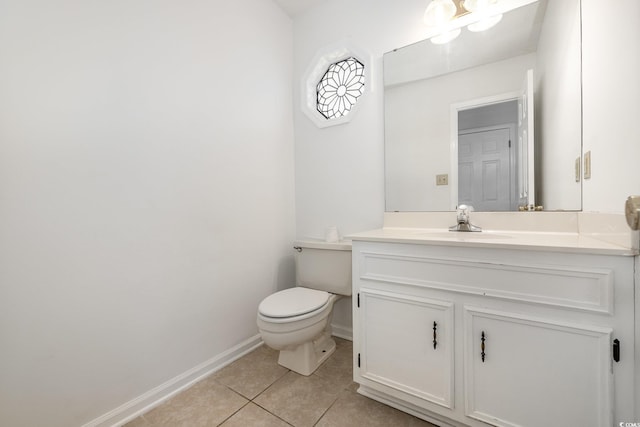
340, 87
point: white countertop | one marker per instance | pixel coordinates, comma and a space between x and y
520, 240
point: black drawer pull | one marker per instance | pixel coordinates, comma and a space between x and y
435, 335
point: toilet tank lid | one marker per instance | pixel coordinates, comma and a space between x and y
342, 245
293, 302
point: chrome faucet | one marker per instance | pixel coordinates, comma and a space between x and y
462, 216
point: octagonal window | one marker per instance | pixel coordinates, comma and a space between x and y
340, 87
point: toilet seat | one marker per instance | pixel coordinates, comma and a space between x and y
293, 302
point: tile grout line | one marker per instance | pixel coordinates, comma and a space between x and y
233, 391
327, 410
239, 409
268, 411
249, 399
342, 391
265, 409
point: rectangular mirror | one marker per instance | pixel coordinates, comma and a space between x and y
491, 119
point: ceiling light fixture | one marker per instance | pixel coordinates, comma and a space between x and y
439, 13
482, 9
441, 16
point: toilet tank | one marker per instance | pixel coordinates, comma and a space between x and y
324, 266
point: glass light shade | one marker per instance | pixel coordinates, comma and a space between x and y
445, 37
484, 24
478, 5
439, 12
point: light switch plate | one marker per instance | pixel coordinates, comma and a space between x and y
587, 165
442, 179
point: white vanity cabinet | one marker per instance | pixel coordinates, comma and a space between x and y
411, 348
522, 337
522, 371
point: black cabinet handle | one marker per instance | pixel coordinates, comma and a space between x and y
482, 339
435, 335
616, 350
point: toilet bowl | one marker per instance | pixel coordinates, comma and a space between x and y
297, 321
304, 340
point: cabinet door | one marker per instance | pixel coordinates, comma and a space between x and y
406, 343
521, 371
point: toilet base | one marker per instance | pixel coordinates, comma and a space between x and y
306, 358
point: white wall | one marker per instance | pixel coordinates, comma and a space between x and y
146, 194
339, 169
611, 87
339, 179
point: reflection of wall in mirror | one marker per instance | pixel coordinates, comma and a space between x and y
558, 107
420, 129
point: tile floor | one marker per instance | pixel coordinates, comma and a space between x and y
256, 391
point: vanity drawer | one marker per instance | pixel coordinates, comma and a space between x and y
581, 287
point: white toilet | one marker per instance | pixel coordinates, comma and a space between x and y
297, 321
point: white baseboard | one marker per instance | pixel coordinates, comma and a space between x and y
342, 332
154, 397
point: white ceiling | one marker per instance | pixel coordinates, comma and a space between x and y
296, 7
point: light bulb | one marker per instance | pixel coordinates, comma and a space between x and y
478, 5
439, 12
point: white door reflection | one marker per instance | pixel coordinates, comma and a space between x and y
484, 168
492, 158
